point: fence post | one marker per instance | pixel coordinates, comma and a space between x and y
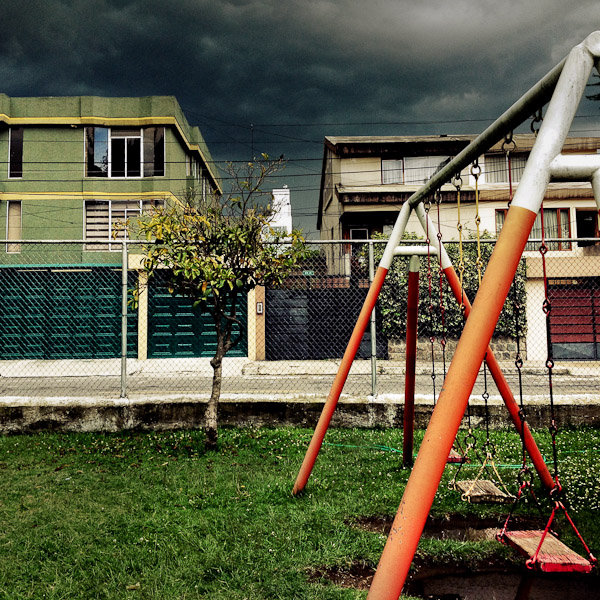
124, 319
373, 326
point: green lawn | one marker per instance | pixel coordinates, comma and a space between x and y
150, 515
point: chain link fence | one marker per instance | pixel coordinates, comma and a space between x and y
68, 327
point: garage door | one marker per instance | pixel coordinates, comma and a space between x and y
575, 318
177, 329
63, 313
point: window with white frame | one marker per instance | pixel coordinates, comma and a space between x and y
495, 167
411, 170
122, 152
107, 220
392, 171
557, 225
420, 169
14, 225
194, 169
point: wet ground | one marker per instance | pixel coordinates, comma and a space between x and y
485, 580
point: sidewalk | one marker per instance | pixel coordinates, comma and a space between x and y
237, 367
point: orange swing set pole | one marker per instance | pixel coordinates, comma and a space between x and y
427, 473
452, 402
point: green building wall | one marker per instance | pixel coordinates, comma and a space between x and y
54, 187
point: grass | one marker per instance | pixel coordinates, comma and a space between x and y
150, 515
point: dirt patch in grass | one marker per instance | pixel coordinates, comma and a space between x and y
450, 527
359, 575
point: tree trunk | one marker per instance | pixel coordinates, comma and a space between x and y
211, 422
216, 362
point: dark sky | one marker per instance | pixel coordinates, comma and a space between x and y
277, 76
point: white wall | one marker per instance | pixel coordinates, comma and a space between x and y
282, 207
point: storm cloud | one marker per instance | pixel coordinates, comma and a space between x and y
266, 75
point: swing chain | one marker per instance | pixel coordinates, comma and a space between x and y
470, 440
547, 308
525, 476
427, 204
535, 120
508, 146
489, 449
427, 208
475, 172
556, 493
457, 182
438, 200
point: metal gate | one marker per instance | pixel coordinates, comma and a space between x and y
316, 324
575, 318
63, 312
176, 329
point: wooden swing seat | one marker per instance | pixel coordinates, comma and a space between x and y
553, 557
483, 490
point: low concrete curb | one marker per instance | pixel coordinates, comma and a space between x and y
29, 415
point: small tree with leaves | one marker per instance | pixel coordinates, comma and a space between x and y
214, 250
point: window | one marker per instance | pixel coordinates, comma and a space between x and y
412, 170
125, 152
14, 229
496, 167
96, 143
357, 233
556, 225
15, 163
105, 219
420, 169
392, 171
154, 151
587, 225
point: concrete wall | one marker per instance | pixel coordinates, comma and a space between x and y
86, 415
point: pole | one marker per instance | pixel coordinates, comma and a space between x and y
346, 363
412, 310
124, 319
373, 327
452, 402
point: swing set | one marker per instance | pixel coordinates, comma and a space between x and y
562, 89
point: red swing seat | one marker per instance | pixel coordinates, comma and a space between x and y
553, 556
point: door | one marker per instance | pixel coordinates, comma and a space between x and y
177, 329
66, 312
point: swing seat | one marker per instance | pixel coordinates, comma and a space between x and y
455, 457
483, 490
553, 557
